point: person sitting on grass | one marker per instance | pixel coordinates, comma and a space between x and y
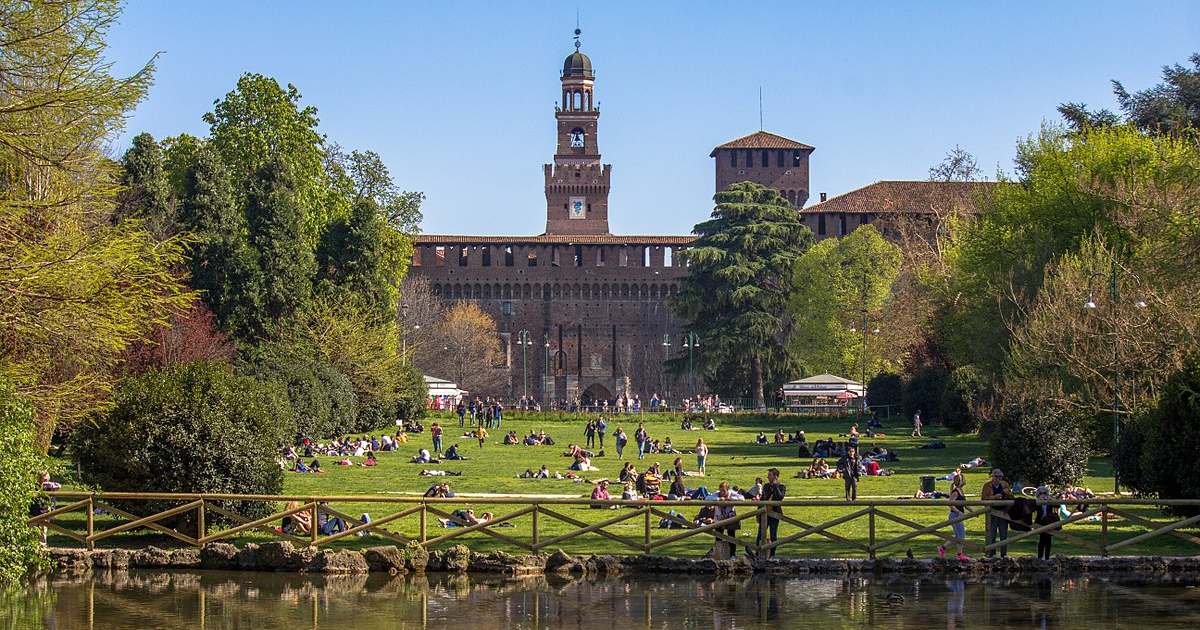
371, 461
780, 438
422, 457
628, 473
686, 425
667, 447
710, 425
438, 491
600, 493
761, 438
452, 453
315, 467
298, 523
511, 438
327, 524
583, 463
677, 491
630, 492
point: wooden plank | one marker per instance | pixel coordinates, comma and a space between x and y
705, 528
931, 529
690, 525
484, 527
821, 530
1148, 523
1078, 516
65, 532
146, 521
1166, 529
238, 518
36, 520
257, 524
375, 526
585, 529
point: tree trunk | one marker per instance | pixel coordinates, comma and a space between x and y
756, 368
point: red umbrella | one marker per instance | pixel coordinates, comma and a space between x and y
846, 395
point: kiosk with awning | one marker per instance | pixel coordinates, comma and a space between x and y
823, 394
442, 393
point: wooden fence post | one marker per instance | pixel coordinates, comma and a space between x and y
201, 528
535, 525
871, 533
424, 534
312, 524
1103, 530
646, 537
91, 521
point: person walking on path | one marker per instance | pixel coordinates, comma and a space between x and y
997, 489
601, 427
916, 432
701, 454
499, 414
435, 432
1046, 514
480, 434
960, 529
621, 440
462, 413
769, 525
643, 440
848, 467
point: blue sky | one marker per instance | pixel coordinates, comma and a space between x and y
458, 97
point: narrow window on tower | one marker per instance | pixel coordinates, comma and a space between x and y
733, 159
749, 157
554, 261
842, 224
416, 258
668, 254
462, 256
821, 224
532, 258
795, 158
623, 261
579, 255
600, 256
508, 256
439, 255
487, 256
779, 159
766, 158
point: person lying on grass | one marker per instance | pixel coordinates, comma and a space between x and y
465, 517
542, 473
438, 490
425, 472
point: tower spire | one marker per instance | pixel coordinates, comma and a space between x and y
577, 31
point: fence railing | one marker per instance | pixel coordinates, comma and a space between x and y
199, 530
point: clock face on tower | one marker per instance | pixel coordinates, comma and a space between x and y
577, 138
578, 207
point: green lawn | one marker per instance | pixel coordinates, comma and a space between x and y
733, 457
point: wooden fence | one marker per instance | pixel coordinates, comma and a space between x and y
651, 515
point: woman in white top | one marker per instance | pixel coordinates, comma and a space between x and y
701, 454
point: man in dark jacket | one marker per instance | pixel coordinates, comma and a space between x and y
768, 525
848, 467
1045, 514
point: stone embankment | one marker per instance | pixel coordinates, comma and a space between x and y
283, 556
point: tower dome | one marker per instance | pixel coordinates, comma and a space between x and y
578, 66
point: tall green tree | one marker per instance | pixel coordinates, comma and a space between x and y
260, 123
275, 220
76, 287
362, 175
355, 258
838, 284
1171, 107
735, 296
145, 190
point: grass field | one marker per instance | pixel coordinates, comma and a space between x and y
734, 457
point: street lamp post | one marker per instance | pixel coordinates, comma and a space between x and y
524, 342
666, 354
691, 341
546, 381
1114, 296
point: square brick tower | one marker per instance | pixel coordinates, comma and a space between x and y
577, 183
767, 159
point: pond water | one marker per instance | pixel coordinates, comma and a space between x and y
262, 601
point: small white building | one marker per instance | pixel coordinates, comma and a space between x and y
442, 393
823, 393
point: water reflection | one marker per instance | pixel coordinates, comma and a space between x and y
156, 599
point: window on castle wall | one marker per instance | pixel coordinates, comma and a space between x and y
462, 256
554, 257
766, 158
795, 158
779, 159
645, 256
623, 260
532, 259
508, 256
416, 257
439, 256
821, 224
842, 224
579, 255
600, 256
668, 254
749, 157
487, 256
733, 159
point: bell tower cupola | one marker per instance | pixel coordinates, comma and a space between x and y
577, 183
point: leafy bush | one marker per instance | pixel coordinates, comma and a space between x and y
1039, 443
191, 428
19, 465
1156, 452
963, 390
322, 398
885, 389
923, 391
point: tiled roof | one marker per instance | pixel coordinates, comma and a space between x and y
761, 140
555, 239
906, 196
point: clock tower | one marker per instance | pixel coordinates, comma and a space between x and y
577, 183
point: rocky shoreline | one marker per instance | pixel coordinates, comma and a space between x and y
284, 557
